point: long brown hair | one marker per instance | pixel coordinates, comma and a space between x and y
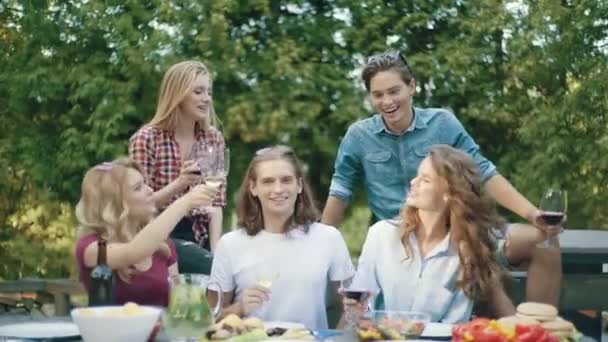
103, 208
248, 207
175, 86
470, 213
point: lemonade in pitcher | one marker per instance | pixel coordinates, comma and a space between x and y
189, 314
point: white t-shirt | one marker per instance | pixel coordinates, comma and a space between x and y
299, 265
426, 284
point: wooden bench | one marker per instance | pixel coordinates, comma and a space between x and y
60, 289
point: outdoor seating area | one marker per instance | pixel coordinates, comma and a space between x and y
585, 280
288, 171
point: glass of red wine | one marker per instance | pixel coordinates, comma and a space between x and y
361, 295
553, 205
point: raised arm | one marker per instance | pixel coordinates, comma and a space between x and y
147, 240
507, 196
142, 149
496, 185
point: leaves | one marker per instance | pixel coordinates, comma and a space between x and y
526, 79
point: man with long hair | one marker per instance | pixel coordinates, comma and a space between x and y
279, 262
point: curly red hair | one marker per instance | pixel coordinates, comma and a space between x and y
470, 216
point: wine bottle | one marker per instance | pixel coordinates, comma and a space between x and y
101, 284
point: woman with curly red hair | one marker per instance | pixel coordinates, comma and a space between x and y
439, 256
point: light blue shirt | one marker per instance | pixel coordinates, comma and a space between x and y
388, 162
424, 284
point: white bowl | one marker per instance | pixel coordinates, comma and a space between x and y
102, 324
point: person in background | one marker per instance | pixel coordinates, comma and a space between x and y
279, 262
438, 257
118, 206
170, 149
385, 151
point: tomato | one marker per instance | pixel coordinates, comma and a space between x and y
534, 334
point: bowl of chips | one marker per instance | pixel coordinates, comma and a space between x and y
129, 322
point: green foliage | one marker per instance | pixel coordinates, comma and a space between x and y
79, 77
41, 240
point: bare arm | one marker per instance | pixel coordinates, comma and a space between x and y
507, 196
173, 270
142, 149
334, 211
146, 242
215, 226
164, 195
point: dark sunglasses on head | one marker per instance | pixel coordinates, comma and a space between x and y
280, 148
389, 55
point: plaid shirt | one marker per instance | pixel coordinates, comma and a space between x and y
157, 152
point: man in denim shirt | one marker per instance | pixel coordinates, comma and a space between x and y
387, 162
386, 149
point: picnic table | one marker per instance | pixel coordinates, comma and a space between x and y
60, 289
585, 278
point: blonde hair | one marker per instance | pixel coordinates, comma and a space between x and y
177, 83
471, 214
103, 209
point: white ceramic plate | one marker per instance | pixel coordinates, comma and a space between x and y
437, 330
284, 325
43, 330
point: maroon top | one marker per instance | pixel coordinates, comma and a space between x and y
146, 288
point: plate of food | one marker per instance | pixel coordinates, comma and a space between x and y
40, 330
234, 329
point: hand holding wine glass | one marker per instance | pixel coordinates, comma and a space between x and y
355, 300
553, 206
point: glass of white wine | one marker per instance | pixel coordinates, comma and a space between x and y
219, 165
265, 274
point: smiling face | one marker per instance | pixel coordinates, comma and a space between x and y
197, 102
138, 196
392, 98
277, 187
428, 191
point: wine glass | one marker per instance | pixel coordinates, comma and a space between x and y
350, 291
553, 205
265, 273
218, 166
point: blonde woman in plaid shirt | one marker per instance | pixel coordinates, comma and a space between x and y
166, 149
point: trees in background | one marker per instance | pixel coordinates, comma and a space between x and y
79, 78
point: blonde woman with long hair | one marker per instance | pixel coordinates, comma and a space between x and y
168, 148
439, 256
117, 205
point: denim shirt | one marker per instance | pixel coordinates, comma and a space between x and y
412, 283
388, 162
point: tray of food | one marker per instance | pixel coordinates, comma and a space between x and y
234, 329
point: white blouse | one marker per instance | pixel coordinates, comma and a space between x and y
412, 284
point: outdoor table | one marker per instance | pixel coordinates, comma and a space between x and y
328, 335
584, 262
